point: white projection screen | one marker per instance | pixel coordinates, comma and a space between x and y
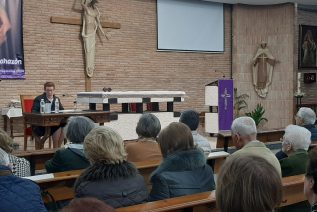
190, 25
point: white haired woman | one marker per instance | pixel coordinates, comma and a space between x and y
295, 144
72, 157
305, 117
110, 177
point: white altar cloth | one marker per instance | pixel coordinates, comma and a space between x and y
117, 97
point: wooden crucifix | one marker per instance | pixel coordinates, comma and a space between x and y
90, 26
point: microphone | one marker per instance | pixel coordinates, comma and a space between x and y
105, 89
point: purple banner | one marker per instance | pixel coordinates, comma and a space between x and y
225, 106
11, 44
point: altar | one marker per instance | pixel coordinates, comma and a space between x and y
139, 101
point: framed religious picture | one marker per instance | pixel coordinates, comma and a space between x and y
307, 47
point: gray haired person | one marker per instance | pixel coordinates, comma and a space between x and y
4, 158
145, 148
243, 130
305, 117
72, 157
191, 119
295, 144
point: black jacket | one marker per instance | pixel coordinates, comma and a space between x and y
65, 160
182, 173
37, 100
118, 185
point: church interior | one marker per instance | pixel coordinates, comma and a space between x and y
145, 73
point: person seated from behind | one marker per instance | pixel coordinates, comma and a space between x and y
145, 148
295, 144
19, 166
72, 157
243, 130
305, 117
110, 177
183, 170
248, 183
56, 131
310, 181
191, 119
17, 194
87, 204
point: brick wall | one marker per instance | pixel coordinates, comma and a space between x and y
274, 25
128, 61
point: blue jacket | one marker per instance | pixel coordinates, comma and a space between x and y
181, 173
18, 194
313, 131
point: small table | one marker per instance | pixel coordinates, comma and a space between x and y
49, 120
12, 114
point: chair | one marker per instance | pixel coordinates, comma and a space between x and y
27, 104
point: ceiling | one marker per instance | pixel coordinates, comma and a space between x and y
266, 2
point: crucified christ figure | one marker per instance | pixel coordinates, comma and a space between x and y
91, 24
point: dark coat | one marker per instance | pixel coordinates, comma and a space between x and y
65, 160
18, 194
313, 131
36, 103
181, 173
294, 164
118, 185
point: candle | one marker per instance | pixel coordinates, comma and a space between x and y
298, 83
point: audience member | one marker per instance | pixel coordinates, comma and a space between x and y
248, 183
183, 170
56, 132
20, 166
191, 119
295, 144
244, 133
145, 148
110, 177
72, 157
17, 194
87, 204
305, 117
310, 182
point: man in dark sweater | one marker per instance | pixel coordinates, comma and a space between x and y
49, 97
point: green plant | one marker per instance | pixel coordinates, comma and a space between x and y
239, 102
257, 114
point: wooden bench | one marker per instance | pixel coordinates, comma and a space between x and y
206, 201
37, 158
201, 202
224, 137
60, 185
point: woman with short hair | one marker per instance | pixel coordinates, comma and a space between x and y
183, 170
295, 144
145, 148
110, 177
20, 166
72, 157
248, 183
